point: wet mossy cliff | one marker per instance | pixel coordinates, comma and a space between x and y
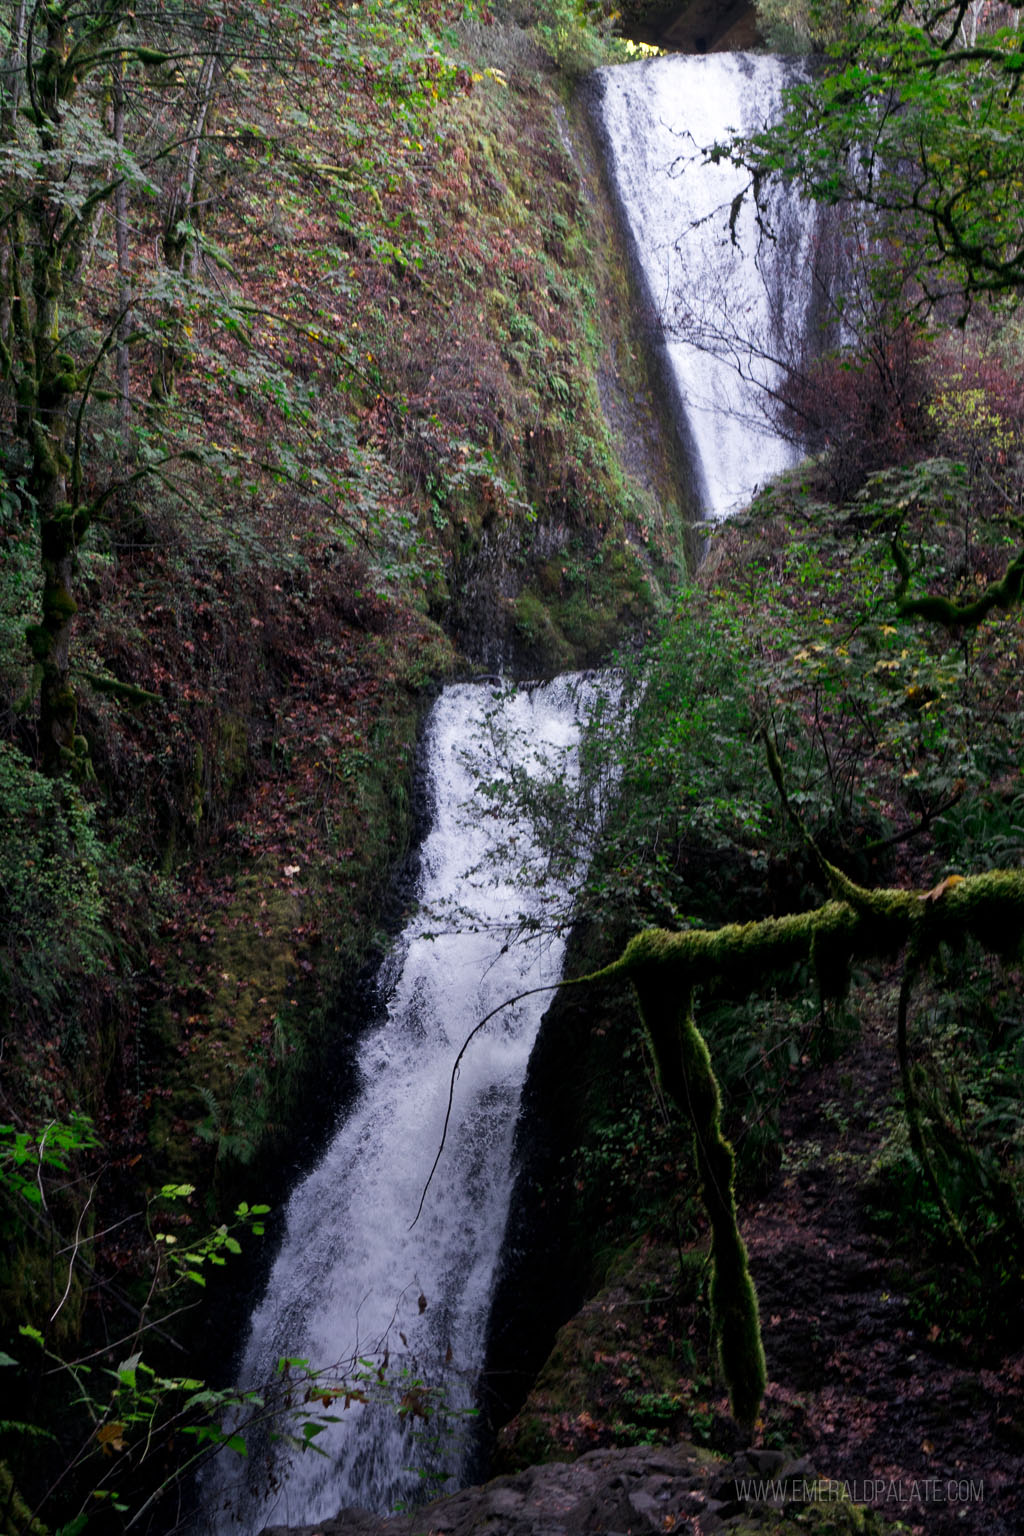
253, 658
520, 427
586, 524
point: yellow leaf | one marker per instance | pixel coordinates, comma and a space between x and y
111, 1438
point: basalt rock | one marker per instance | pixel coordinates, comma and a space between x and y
631, 1491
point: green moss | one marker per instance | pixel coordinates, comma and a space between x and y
539, 635
39, 641
15, 1514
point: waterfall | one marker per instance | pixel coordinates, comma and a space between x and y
403, 1312
395, 1311
732, 297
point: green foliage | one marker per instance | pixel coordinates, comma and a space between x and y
18, 576
800, 26
270, 434
54, 873
694, 787
125, 1413
25, 1156
967, 1058
577, 33
919, 119
185, 1261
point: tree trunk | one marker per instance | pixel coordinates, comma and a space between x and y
124, 276
50, 640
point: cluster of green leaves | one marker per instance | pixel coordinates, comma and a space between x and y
26, 1154
579, 34
109, 1420
799, 26
969, 1039
918, 117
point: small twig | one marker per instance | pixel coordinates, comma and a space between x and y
130, 1338
74, 1254
105, 1232
551, 986
923, 824
39, 1165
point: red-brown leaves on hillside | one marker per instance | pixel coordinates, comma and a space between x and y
861, 410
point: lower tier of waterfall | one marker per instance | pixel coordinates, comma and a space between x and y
394, 1312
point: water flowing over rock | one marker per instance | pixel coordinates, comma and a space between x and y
731, 294
355, 1284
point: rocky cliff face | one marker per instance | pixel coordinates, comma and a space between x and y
691, 26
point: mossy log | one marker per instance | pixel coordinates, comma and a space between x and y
864, 924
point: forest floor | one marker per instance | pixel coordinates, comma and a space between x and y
873, 1384
927, 1429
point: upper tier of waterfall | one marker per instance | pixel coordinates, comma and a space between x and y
731, 294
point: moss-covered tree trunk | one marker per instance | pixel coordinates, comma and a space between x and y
60, 179
45, 387
61, 528
684, 1069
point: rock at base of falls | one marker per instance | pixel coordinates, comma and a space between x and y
640, 1489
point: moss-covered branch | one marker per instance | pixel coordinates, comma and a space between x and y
857, 924
127, 693
987, 907
666, 968
950, 614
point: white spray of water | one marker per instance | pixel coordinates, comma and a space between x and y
352, 1282
732, 301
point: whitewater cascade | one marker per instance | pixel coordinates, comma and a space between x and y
352, 1282
352, 1285
734, 300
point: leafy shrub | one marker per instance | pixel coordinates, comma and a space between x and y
578, 34
862, 408
799, 26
